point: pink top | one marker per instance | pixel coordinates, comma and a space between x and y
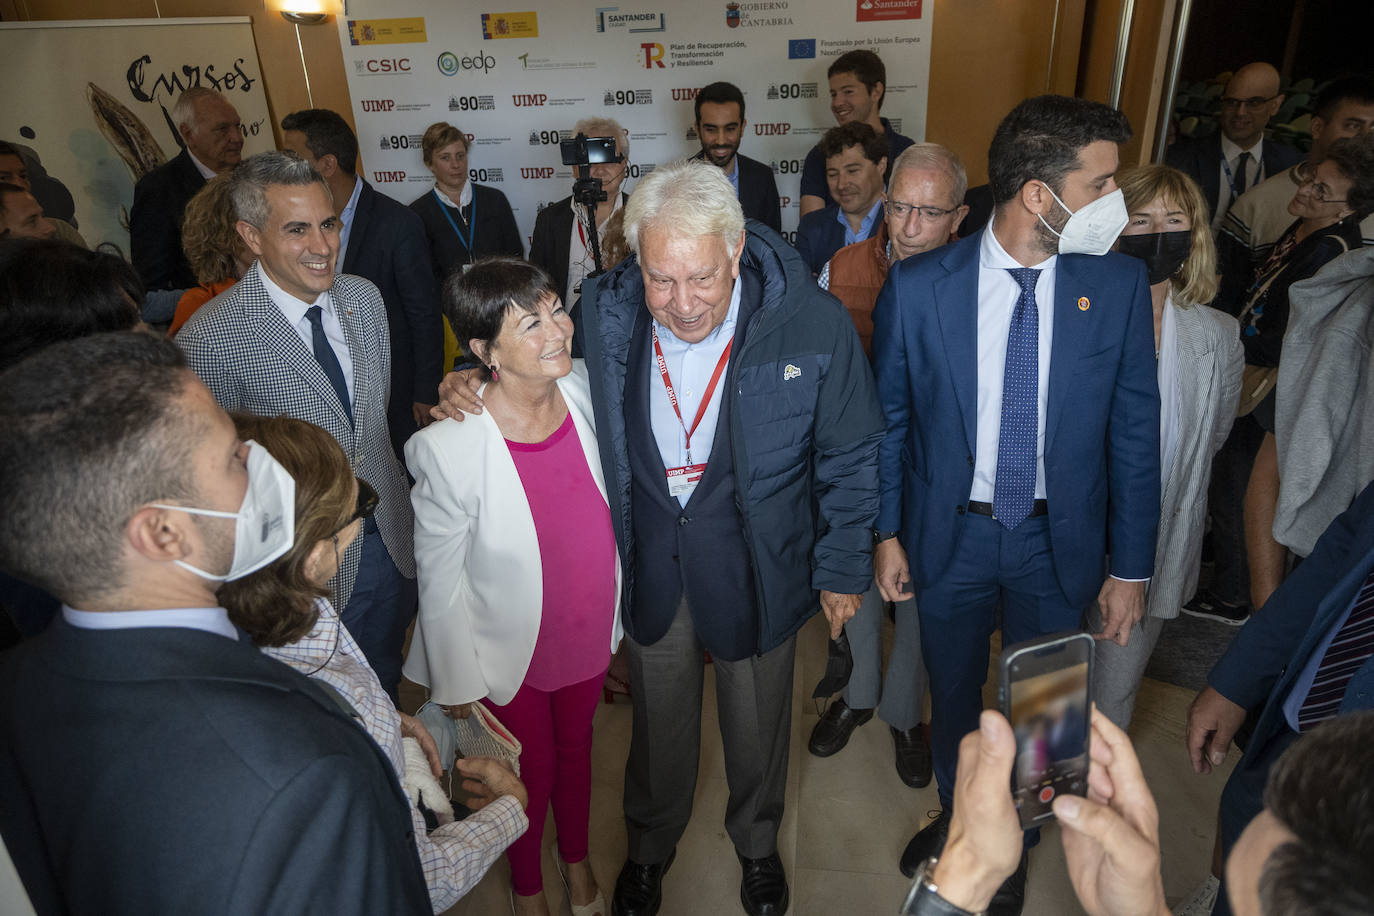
577, 556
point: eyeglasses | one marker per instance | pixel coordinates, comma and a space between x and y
367, 504
1319, 190
1255, 101
929, 214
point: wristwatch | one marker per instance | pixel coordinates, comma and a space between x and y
924, 897
880, 536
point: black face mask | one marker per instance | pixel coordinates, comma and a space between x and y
1162, 252
839, 664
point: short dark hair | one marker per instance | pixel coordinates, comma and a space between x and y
1319, 789
721, 93
9, 149
856, 133
476, 300
1041, 139
1354, 156
1358, 89
94, 430
326, 134
51, 290
864, 64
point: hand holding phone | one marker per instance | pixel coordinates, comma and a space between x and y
1044, 692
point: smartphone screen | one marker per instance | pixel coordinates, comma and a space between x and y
1044, 695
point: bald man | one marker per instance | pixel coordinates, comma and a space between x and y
1234, 159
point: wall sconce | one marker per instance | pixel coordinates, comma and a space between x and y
300, 17
304, 16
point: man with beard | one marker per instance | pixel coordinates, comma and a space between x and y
720, 125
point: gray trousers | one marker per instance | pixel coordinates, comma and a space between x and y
903, 689
754, 703
1116, 670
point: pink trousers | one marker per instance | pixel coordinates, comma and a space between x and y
555, 732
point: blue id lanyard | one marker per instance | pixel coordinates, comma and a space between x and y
472, 224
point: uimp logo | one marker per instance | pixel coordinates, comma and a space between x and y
772, 128
653, 54
378, 104
451, 64
685, 95
388, 177
543, 172
383, 65
525, 100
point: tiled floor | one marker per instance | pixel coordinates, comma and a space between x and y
848, 816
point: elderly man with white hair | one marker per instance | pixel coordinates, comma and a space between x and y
739, 431
213, 144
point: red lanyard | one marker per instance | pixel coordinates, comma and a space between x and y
705, 397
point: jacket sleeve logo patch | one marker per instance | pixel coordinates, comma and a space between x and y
790, 372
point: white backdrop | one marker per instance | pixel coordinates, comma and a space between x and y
517, 81
91, 98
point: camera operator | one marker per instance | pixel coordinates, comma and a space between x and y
562, 242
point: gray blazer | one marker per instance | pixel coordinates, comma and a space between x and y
251, 359
1210, 363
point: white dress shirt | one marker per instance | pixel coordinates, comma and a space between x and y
205, 171
998, 293
346, 220
580, 261
690, 367
1230, 159
210, 619
294, 311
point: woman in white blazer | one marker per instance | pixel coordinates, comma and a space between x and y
518, 571
1200, 365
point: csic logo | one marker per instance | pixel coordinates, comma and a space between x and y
382, 65
451, 64
529, 101
653, 54
772, 129
378, 104
628, 97
388, 177
543, 172
685, 95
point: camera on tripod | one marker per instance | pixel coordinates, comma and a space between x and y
582, 152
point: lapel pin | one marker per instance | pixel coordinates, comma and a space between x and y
1083, 303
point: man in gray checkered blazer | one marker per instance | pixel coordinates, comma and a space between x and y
293, 337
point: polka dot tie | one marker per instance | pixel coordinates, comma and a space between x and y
1014, 491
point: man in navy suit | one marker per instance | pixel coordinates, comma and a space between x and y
855, 163
1304, 657
384, 241
720, 124
152, 760
213, 138
1017, 374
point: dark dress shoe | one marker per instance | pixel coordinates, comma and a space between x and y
639, 889
929, 841
832, 732
1012, 894
763, 889
913, 756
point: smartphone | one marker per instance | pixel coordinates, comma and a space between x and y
1045, 693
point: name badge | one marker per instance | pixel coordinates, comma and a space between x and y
682, 481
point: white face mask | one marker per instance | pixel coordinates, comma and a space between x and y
265, 525
1093, 227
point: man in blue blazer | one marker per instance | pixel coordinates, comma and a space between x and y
1018, 378
1277, 663
382, 240
152, 760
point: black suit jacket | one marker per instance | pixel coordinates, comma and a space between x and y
168, 770
550, 244
1200, 159
388, 246
494, 234
160, 200
758, 191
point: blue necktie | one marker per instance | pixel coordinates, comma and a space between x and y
329, 362
1014, 492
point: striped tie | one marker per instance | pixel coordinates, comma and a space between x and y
1349, 650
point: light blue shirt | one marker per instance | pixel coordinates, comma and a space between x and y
690, 367
865, 228
210, 619
733, 174
346, 217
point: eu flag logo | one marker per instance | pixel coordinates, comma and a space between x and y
801, 48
